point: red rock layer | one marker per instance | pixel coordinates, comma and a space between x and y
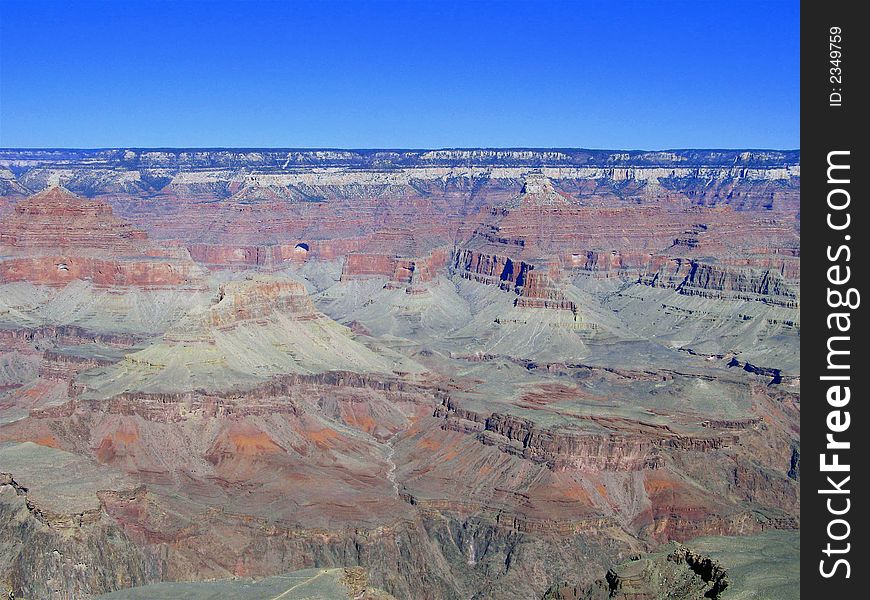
55, 237
397, 269
534, 284
627, 446
260, 231
540, 232
56, 218
257, 298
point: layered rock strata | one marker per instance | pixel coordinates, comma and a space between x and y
55, 237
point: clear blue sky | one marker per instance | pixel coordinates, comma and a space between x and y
609, 74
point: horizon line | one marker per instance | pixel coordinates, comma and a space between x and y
397, 149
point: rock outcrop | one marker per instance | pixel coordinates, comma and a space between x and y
683, 575
410, 273
254, 329
763, 566
694, 278
55, 237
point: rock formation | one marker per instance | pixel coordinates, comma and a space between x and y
441, 374
683, 573
54, 237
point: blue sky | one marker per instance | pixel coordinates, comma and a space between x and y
413, 74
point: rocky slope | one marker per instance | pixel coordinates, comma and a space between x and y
760, 566
323, 584
254, 329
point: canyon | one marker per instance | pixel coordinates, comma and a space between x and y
422, 374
